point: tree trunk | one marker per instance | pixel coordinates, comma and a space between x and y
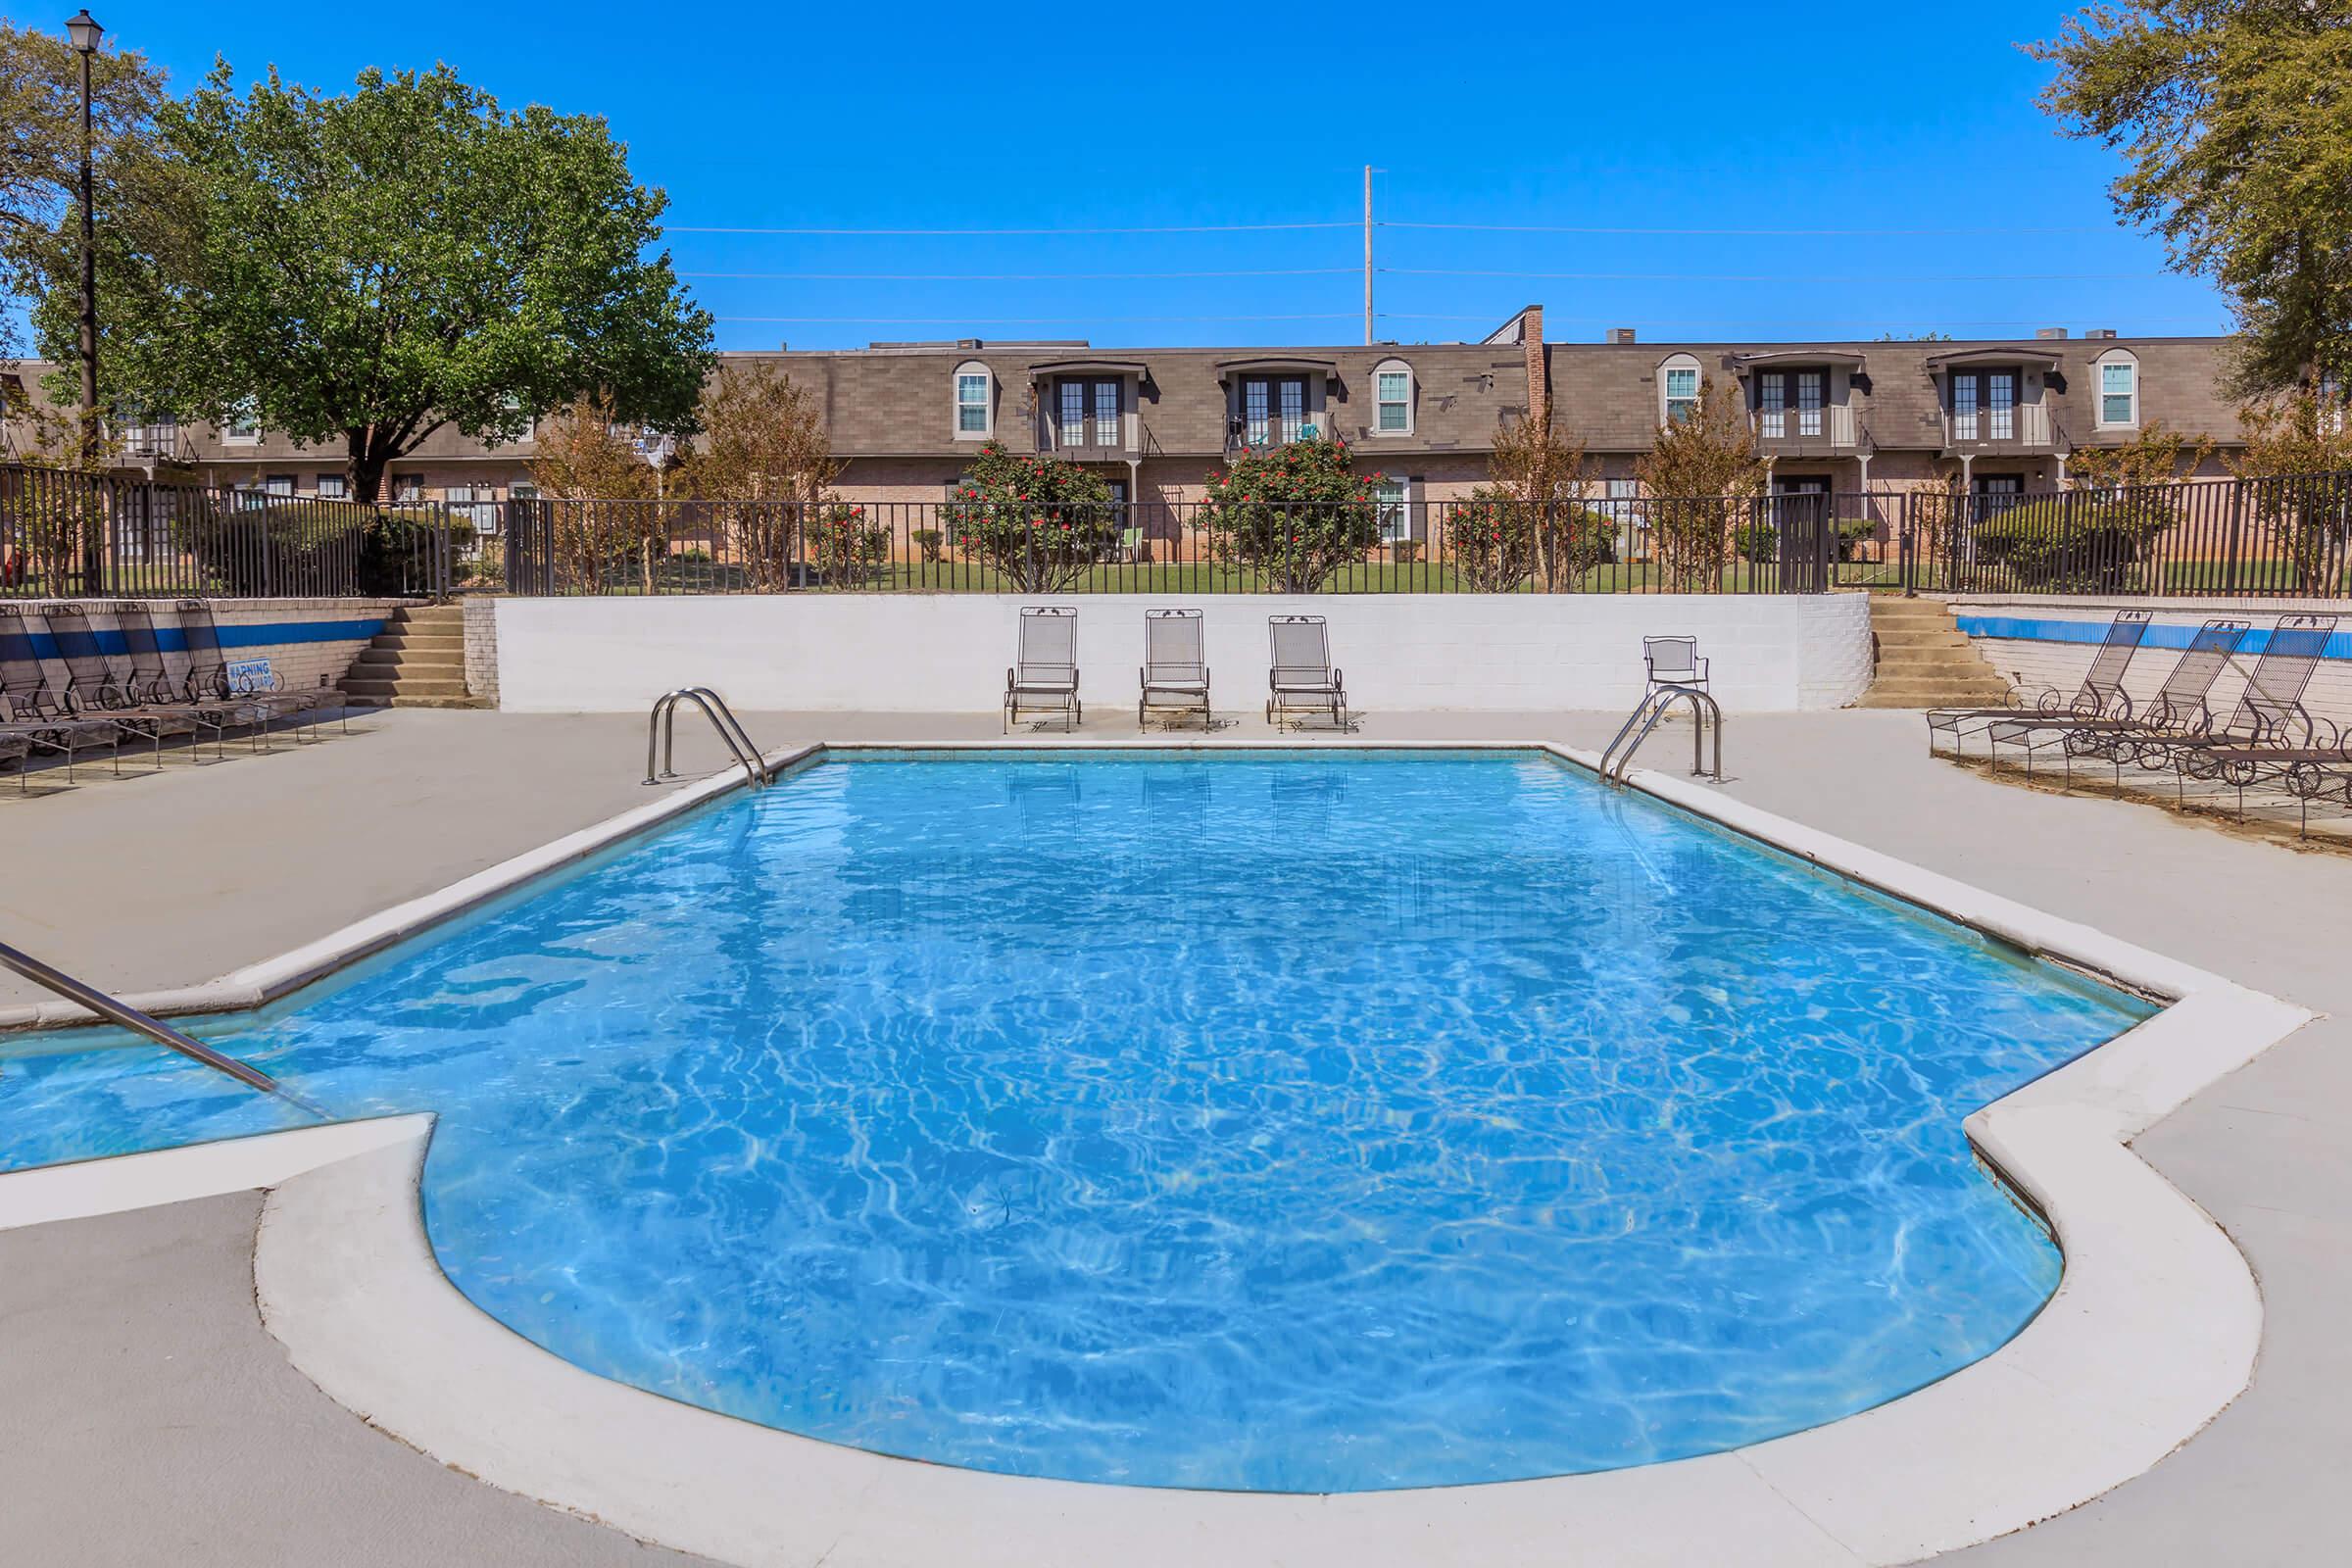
365, 466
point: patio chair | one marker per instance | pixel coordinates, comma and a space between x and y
1674, 661
208, 678
1300, 679
97, 687
2100, 696
149, 678
1044, 677
31, 712
18, 749
2268, 729
1175, 673
2177, 708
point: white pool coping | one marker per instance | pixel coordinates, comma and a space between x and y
2152, 1332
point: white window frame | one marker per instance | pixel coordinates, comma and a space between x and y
1772, 404
1812, 396
341, 490
2116, 359
1381, 403
973, 369
1393, 505
1668, 369
241, 427
412, 482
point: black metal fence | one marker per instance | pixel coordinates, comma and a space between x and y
73, 535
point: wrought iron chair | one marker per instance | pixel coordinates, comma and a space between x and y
2178, 709
1674, 661
47, 724
1044, 677
2269, 730
1302, 678
98, 686
2100, 696
208, 678
1175, 673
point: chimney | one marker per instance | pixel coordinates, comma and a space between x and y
2049, 331
1619, 334
2100, 333
1539, 375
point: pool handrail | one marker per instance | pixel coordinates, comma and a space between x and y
731, 730
1617, 759
123, 1016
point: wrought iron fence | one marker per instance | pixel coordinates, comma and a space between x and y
75, 535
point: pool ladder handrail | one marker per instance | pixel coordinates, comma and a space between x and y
123, 1016
1617, 760
722, 719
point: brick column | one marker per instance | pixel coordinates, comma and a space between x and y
1539, 381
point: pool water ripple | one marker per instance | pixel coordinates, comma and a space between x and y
1283, 1122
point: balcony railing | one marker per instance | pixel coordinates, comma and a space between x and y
1832, 427
1245, 434
2020, 427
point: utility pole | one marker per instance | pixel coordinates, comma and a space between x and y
1367, 254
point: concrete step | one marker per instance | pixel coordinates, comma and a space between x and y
422, 634
404, 686
1935, 694
413, 657
1907, 636
440, 702
434, 612
1939, 661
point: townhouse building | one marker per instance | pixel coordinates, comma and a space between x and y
904, 418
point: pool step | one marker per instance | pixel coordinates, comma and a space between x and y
1924, 660
417, 660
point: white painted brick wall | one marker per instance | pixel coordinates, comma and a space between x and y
481, 646
914, 653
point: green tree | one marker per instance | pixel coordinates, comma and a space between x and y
2297, 446
1701, 472
374, 266
1038, 520
764, 466
1295, 511
1531, 518
2234, 122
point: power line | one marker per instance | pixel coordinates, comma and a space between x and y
1745, 233
1778, 278
1750, 327
1034, 320
1018, 277
980, 234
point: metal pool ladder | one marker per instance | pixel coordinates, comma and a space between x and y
1618, 759
663, 723
137, 1022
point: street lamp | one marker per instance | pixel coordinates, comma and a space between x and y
86, 33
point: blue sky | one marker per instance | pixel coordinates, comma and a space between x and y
1694, 116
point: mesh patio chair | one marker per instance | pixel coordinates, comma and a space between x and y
1175, 673
149, 676
208, 678
2178, 709
2100, 696
2269, 728
1300, 679
1044, 677
45, 721
18, 749
1674, 661
99, 686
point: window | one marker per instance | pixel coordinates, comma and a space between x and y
408, 488
278, 484
1089, 415
1393, 500
242, 426
975, 402
1392, 397
1292, 396
1106, 415
1772, 404
332, 487
1273, 409
2119, 391
1808, 402
1679, 381
2000, 405
1964, 408
1073, 414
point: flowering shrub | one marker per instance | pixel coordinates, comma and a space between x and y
1297, 513
1496, 540
1038, 520
844, 549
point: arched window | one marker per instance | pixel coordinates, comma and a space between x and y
1393, 398
975, 402
1678, 388
2119, 390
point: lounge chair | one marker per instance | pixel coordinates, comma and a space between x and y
1674, 661
17, 748
2177, 708
208, 678
1175, 673
1300, 678
2100, 696
2268, 729
29, 710
149, 678
97, 687
1044, 677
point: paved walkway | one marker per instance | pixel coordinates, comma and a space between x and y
177, 878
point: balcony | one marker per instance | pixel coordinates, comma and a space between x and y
1244, 435
2026, 427
1832, 430
152, 443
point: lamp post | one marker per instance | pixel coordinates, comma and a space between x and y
86, 33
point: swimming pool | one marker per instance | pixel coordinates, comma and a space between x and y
1273, 1121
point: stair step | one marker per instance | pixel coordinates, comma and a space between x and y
413, 657
440, 702
429, 639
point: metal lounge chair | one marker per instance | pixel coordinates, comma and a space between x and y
97, 686
1044, 677
208, 678
2269, 728
2100, 696
150, 680
1175, 673
1674, 661
1300, 678
46, 724
2178, 708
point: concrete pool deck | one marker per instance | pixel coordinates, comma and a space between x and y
2257, 913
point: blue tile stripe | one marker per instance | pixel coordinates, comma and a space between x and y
275, 634
2027, 629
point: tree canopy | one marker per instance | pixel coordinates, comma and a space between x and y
368, 268
2234, 119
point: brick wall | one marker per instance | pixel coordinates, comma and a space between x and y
332, 631
481, 647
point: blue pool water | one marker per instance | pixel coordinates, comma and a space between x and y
1306, 1122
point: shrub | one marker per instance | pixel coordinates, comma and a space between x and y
2074, 543
1297, 513
927, 540
1498, 539
1404, 551
1040, 521
1852, 534
1758, 543
844, 547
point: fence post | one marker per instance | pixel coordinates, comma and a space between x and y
2237, 519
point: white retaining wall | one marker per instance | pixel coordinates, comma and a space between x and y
2037, 663
947, 653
